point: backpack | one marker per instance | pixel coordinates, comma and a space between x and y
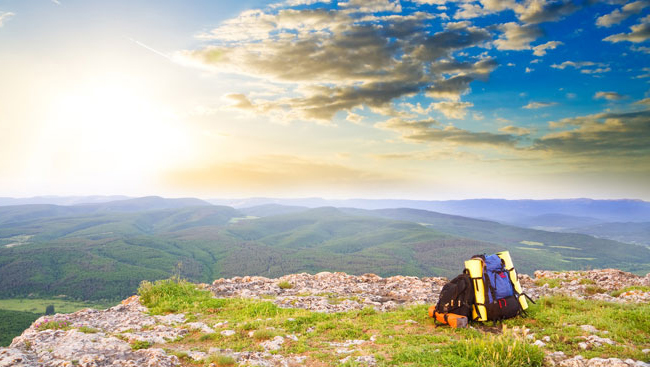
455, 302
498, 294
457, 296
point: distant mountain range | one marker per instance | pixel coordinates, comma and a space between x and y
103, 250
559, 213
500, 210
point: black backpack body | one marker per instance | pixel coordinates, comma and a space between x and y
457, 297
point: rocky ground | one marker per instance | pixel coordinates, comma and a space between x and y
112, 337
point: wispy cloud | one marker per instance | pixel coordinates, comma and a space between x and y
453, 110
277, 174
430, 131
536, 105
515, 130
529, 11
605, 134
585, 67
610, 96
5, 16
150, 48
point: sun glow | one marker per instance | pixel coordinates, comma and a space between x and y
107, 129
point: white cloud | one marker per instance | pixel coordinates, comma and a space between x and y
610, 96
642, 76
536, 105
470, 11
5, 16
639, 33
620, 15
585, 67
516, 36
354, 118
335, 61
452, 110
540, 11
540, 50
596, 70
372, 6
515, 130
643, 49
430, 131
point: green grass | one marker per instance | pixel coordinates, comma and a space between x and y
219, 360
285, 285
560, 317
139, 344
38, 305
499, 350
53, 325
396, 343
175, 295
641, 288
264, 334
552, 282
88, 330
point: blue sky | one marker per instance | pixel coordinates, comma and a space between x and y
376, 98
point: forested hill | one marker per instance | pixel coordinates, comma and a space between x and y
103, 251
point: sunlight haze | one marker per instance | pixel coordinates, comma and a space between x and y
421, 99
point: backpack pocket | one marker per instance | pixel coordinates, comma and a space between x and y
503, 308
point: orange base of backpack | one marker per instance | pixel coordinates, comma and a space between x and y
451, 319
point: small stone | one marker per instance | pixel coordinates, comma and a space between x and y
228, 332
221, 324
583, 345
410, 322
200, 326
546, 338
273, 344
589, 329
196, 355
539, 343
645, 351
292, 337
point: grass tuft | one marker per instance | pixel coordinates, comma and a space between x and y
499, 351
552, 282
140, 344
641, 288
176, 295
53, 325
88, 330
285, 285
220, 360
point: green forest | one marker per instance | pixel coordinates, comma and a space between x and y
12, 323
103, 255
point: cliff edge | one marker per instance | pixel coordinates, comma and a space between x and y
588, 318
